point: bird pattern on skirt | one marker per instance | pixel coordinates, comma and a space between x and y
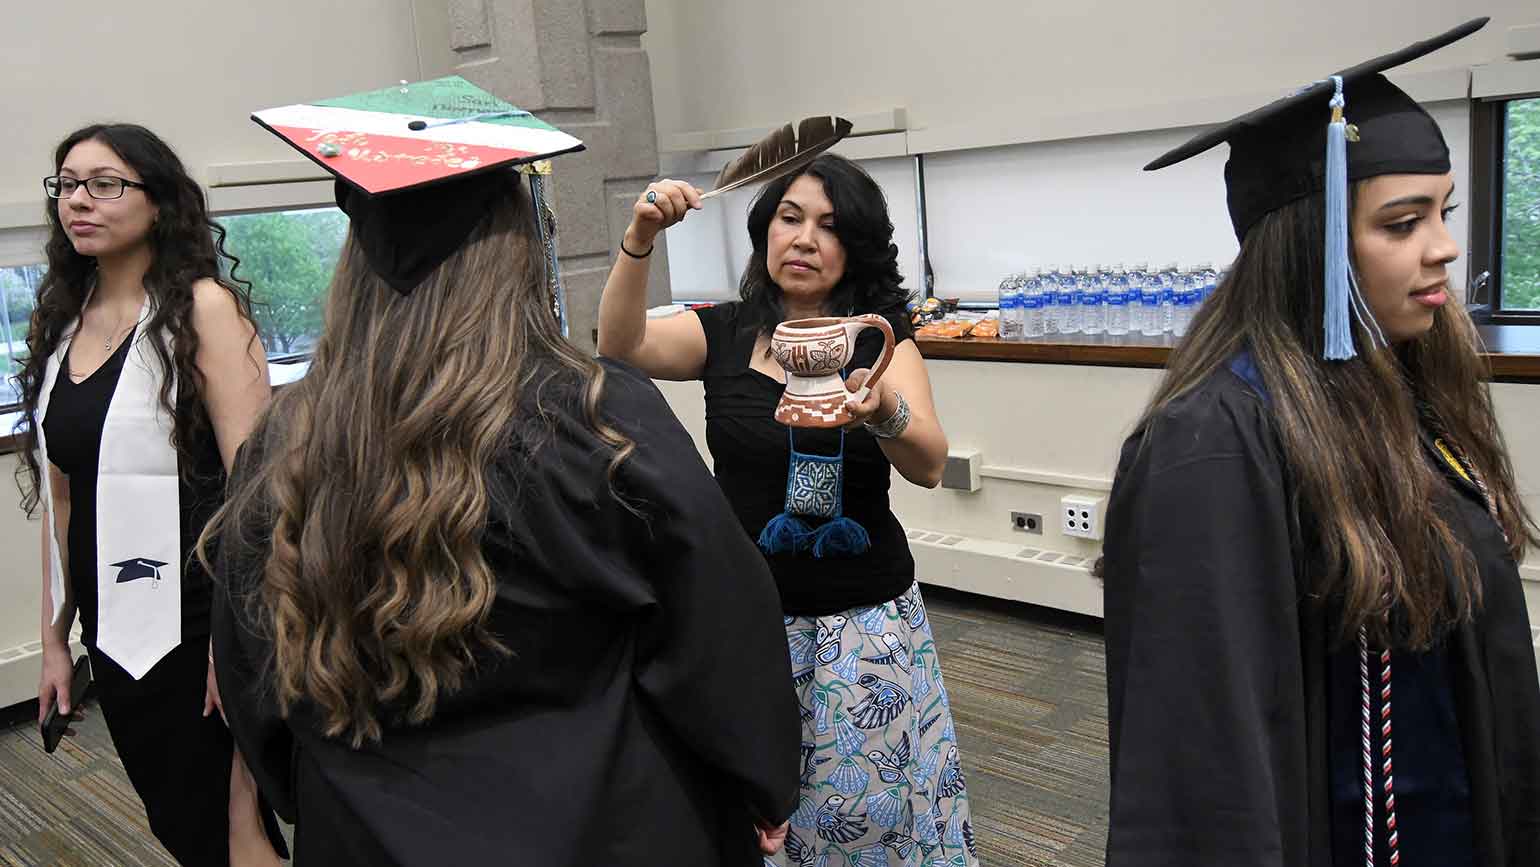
881, 774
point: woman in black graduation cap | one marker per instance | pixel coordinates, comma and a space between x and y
1317, 643
485, 603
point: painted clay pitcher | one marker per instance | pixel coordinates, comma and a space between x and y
813, 352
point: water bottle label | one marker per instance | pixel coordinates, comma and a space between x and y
1091, 299
1117, 299
1031, 302
1165, 296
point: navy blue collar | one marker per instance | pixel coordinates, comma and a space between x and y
1243, 366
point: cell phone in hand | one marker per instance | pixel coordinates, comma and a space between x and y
54, 723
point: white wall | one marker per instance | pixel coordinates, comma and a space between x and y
709, 250
994, 211
193, 72
981, 72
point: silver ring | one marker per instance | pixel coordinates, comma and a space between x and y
652, 197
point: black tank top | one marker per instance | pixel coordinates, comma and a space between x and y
750, 451
77, 411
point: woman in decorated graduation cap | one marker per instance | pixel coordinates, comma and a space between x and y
484, 601
1317, 644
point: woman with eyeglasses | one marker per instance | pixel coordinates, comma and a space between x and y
143, 376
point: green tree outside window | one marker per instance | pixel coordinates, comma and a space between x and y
289, 257
1521, 207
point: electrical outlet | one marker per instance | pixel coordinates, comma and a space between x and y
1082, 516
1027, 522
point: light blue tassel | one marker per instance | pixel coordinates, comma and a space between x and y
841, 537
785, 534
1339, 288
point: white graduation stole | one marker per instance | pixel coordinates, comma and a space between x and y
138, 512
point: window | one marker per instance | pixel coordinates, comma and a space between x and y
18, 289
1520, 254
1505, 225
288, 256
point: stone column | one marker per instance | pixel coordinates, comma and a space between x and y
578, 65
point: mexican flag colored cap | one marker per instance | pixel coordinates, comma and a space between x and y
418, 165
412, 135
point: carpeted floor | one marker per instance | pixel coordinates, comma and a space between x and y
1028, 699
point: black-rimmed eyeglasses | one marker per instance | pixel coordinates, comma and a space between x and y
100, 187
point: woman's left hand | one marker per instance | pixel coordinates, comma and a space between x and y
863, 411
211, 700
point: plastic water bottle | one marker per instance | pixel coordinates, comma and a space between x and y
1069, 299
1019, 307
1171, 281
1032, 306
1185, 301
1136, 314
1152, 297
1208, 281
1117, 301
1010, 297
1065, 278
1093, 300
1048, 282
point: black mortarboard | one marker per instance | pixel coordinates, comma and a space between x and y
417, 164
135, 568
1299, 145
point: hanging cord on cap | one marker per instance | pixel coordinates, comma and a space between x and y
1344, 301
1338, 325
545, 221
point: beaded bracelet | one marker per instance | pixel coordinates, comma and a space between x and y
896, 423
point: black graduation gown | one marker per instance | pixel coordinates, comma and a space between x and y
646, 712
1217, 664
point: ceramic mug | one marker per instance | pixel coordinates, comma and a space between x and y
814, 352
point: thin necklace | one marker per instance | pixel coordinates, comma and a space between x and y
106, 347
111, 335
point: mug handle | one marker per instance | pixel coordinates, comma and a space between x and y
872, 320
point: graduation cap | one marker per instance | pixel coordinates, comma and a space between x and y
135, 568
417, 166
1349, 126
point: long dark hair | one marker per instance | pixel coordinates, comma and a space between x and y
1365, 490
871, 283
186, 246
369, 501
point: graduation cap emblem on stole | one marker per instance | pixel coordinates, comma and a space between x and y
135, 568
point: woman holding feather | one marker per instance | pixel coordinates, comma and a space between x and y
881, 776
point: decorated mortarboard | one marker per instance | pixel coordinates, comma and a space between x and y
417, 164
135, 568
1347, 127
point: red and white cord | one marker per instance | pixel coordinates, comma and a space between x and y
1366, 736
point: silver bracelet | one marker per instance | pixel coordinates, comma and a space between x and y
896, 424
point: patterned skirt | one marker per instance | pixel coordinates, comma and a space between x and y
882, 780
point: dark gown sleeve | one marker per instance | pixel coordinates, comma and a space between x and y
1205, 689
712, 653
240, 654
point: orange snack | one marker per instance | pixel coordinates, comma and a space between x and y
986, 328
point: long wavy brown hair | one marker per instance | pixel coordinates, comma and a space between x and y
1364, 489
186, 244
370, 476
